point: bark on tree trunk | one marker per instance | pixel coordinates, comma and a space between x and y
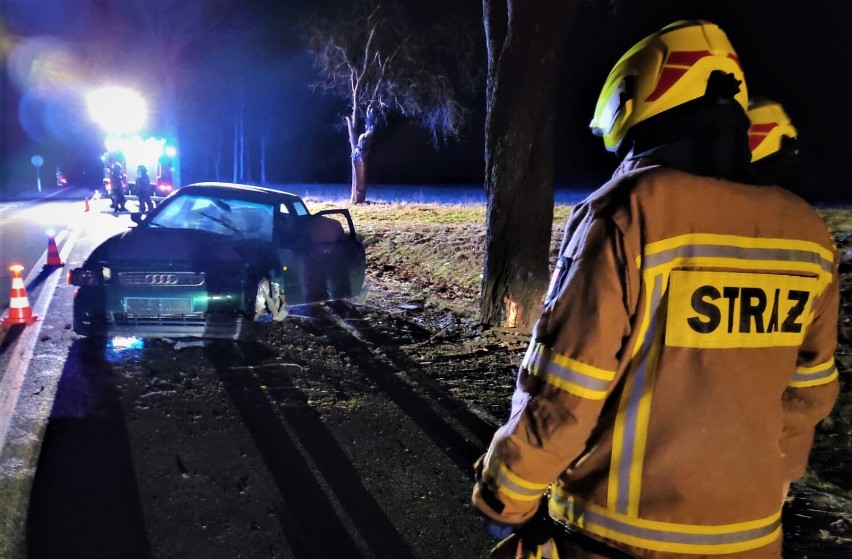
217, 159
359, 181
242, 138
236, 154
264, 146
524, 58
360, 146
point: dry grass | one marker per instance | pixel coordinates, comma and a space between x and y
439, 248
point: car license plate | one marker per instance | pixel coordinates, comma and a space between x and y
157, 305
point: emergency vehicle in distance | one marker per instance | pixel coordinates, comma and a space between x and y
154, 153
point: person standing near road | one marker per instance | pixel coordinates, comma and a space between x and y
144, 190
117, 188
685, 352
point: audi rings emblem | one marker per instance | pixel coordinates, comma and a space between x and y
161, 279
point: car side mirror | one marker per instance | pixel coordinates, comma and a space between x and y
136, 218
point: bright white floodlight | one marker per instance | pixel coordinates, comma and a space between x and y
117, 110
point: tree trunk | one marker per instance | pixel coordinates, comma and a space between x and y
242, 143
264, 146
249, 178
359, 181
360, 146
525, 41
236, 148
217, 159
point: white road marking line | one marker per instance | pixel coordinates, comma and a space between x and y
16, 370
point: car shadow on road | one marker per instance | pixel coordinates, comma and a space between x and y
84, 500
310, 523
476, 425
422, 411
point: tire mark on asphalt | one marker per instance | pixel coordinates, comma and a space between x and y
461, 451
311, 525
362, 509
477, 426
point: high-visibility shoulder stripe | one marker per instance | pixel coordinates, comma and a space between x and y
794, 245
816, 375
733, 251
775, 258
664, 536
566, 373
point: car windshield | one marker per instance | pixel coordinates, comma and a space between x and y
225, 216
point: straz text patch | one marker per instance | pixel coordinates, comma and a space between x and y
733, 309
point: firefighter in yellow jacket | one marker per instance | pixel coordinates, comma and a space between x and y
774, 144
685, 352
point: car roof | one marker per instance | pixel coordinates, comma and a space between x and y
221, 188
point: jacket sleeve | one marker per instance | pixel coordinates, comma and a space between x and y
569, 369
814, 387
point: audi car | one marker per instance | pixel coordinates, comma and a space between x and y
216, 260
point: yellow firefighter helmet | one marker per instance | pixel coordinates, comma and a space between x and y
660, 72
770, 125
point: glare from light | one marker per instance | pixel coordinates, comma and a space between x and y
117, 110
135, 148
42, 63
171, 151
51, 232
124, 343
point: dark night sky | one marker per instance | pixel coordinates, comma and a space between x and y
794, 51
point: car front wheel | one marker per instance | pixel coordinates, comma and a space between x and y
89, 319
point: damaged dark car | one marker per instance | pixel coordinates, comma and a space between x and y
216, 260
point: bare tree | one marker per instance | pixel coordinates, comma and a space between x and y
375, 61
525, 41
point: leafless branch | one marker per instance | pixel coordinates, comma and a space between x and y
397, 68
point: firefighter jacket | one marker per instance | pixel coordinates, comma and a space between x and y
682, 361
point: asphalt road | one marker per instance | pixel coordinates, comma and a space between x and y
24, 227
326, 441
33, 357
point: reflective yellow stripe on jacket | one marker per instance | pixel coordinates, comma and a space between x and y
814, 376
756, 258
511, 484
568, 374
663, 536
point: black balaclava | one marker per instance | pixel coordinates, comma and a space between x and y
785, 167
707, 136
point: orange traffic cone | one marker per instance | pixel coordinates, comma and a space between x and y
87, 204
19, 306
53, 259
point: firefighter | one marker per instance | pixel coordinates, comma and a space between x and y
774, 144
117, 188
685, 351
144, 190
